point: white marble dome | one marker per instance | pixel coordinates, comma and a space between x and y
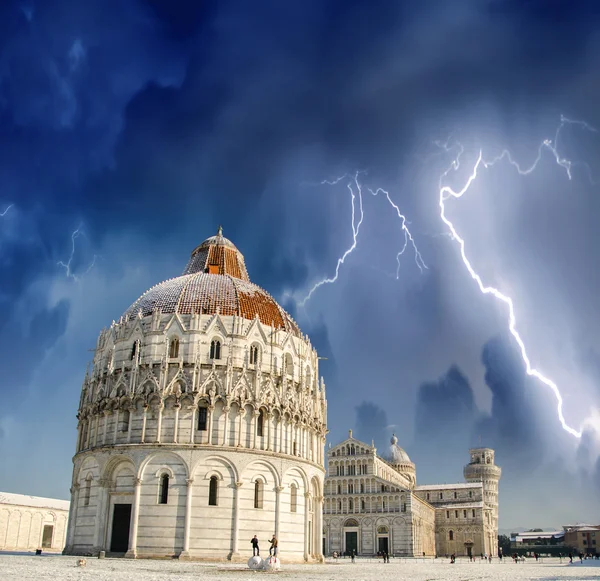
400, 460
202, 422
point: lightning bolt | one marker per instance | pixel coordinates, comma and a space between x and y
67, 266
2, 214
408, 238
356, 224
446, 192
355, 188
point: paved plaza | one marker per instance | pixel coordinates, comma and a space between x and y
59, 568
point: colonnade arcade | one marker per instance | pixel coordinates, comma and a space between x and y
103, 480
197, 420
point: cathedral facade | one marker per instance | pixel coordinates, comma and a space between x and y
201, 423
374, 505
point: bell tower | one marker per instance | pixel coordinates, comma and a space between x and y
481, 468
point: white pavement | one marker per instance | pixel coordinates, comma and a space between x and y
59, 568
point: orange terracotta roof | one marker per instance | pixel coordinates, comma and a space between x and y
206, 293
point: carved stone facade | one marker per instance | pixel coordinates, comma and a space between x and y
201, 423
374, 505
371, 506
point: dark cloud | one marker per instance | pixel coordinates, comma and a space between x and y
372, 425
25, 350
152, 122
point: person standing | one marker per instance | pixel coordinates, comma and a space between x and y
273, 547
255, 549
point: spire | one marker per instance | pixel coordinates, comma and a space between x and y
220, 230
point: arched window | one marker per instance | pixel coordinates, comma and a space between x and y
174, 348
88, 491
351, 488
212, 491
215, 349
350, 505
260, 423
293, 498
202, 418
254, 355
258, 494
450, 535
362, 505
295, 449
164, 489
289, 365
339, 489
135, 351
362, 487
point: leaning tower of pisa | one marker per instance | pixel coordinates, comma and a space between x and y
481, 468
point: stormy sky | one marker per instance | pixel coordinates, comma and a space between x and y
130, 129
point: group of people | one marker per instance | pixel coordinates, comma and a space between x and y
256, 549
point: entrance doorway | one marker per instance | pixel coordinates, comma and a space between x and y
47, 536
351, 542
119, 542
383, 545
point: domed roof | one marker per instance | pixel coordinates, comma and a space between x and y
217, 255
397, 455
215, 280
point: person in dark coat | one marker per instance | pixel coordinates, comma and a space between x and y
255, 549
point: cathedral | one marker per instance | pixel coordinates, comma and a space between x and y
374, 505
201, 423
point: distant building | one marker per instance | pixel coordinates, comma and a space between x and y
373, 504
538, 541
582, 537
28, 523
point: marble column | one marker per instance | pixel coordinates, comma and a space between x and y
104, 429
177, 407
144, 420
254, 426
269, 417
185, 553
211, 409
79, 433
88, 433
161, 407
306, 504
193, 425
278, 491
280, 426
241, 414
116, 426
132, 550
100, 525
131, 411
72, 519
226, 425
96, 421
236, 520
319, 528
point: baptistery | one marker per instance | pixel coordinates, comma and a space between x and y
201, 423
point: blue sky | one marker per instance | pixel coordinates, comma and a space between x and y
143, 125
